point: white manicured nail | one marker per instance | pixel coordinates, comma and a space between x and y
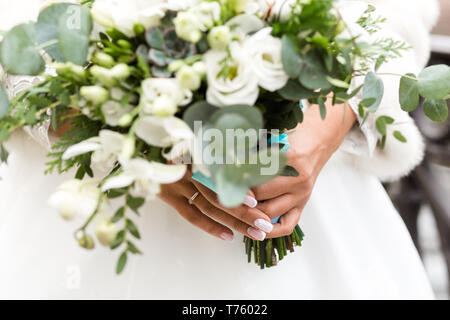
227, 237
250, 202
256, 234
264, 225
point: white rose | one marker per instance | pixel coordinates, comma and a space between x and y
75, 198
113, 112
219, 37
170, 89
240, 86
188, 26
123, 15
265, 52
189, 78
106, 148
106, 232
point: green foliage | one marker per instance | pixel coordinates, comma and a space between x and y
4, 102
436, 110
434, 82
409, 93
373, 89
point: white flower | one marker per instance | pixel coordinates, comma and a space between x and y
188, 26
146, 177
106, 232
219, 37
265, 52
124, 15
281, 9
238, 86
75, 198
200, 67
207, 14
244, 24
106, 148
113, 112
169, 89
189, 78
94, 94
163, 132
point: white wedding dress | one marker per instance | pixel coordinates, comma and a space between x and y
356, 245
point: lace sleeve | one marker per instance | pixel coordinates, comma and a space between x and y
13, 86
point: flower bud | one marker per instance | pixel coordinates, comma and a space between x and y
187, 27
86, 242
125, 121
106, 232
176, 65
189, 78
129, 147
120, 71
219, 37
200, 67
104, 76
101, 18
164, 106
124, 44
94, 94
239, 5
104, 60
138, 29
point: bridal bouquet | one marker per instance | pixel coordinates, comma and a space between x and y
143, 95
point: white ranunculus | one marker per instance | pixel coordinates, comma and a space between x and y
145, 177
240, 86
113, 112
265, 52
187, 26
219, 37
106, 148
123, 15
75, 198
170, 89
163, 132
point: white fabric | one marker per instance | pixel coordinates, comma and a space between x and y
356, 245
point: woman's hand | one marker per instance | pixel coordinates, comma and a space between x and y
312, 144
207, 214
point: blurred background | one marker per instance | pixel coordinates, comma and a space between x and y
423, 199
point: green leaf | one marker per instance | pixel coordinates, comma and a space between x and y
230, 189
155, 38
338, 83
131, 227
434, 82
75, 27
135, 203
3, 154
47, 28
436, 110
118, 241
199, 111
132, 248
4, 102
251, 114
323, 108
373, 88
382, 123
399, 136
18, 52
294, 91
118, 215
289, 172
313, 75
290, 55
121, 263
409, 93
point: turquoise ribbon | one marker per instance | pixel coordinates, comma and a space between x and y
274, 139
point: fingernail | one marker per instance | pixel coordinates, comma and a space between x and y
264, 225
257, 234
250, 202
227, 237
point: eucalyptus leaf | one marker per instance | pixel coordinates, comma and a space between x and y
252, 114
323, 108
18, 52
373, 88
75, 27
4, 102
230, 188
292, 61
294, 91
434, 82
409, 93
382, 123
314, 75
199, 111
47, 28
436, 110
